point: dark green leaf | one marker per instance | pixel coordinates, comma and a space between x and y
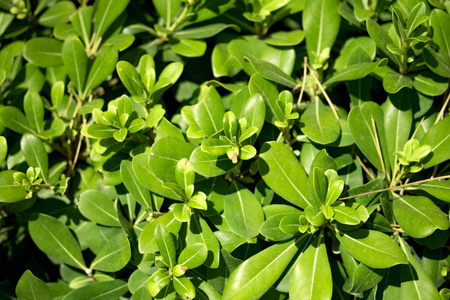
114, 255
57, 14
44, 52
106, 13
104, 64
97, 207
34, 151
319, 123
147, 242
137, 189
30, 287
75, 61
105, 290
438, 137
12, 118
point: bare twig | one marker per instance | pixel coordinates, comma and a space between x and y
378, 146
441, 113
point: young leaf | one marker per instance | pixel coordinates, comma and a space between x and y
266, 266
269, 93
363, 279
184, 287
188, 47
418, 216
130, 79
346, 215
271, 72
34, 151
81, 21
139, 192
30, 287
242, 211
283, 173
165, 244
312, 274
147, 241
209, 165
54, 239
372, 248
10, 192
158, 281
208, 113
216, 147
167, 10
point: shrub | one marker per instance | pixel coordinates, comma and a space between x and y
224, 149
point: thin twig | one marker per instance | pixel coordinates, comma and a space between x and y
378, 146
418, 126
305, 68
441, 113
323, 92
396, 187
363, 165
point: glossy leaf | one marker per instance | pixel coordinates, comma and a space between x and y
418, 216
193, 256
353, 72
285, 38
103, 290
12, 118
189, 48
137, 189
266, 266
200, 232
363, 278
30, 287
271, 72
130, 78
34, 110
114, 255
3, 149
147, 241
75, 61
54, 239
242, 211
34, 151
165, 244
184, 287
10, 192
104, 64
438, 137
44, 52
372, 248
269, 93
98, 208
312, 274
167, 9
57, 14
319, 123
438, 189
81, 21
394, 82
209, 165
283, 173
106, 13
203, 32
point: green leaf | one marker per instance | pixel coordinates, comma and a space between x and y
114, 255
312, 274
284, 174
121, 41
361, 128
438, 63
216, 147
269, 93
346, 215
438, 189
165, 154
145, 175
166, 79
242, 211
3, 149
200, 232
397, 124
438, 137
209, 165
81, 21
189, 48
11, 117
208, 113
34, 151
415, 283
271, 230
54, 239
184, 287
34, 110
418, 216
254, 111
382, 39
204, 32
57, 14
184, 174
104, 64
147, 242
106, 13
321, 22
30, 287
159, 280
98, 131
165, 244
430, 84
353, 72
44, 52
317, 185
10, 192
247, 152
285, 38
75, 61
130, 78
372, 248
104, 290
193, 256
57, 94
393, 82
97, 207
363, 279
271, 72
319, 123
223, 63
416, 17
440, 24
137, 189
182, 212
266, 266
167, 10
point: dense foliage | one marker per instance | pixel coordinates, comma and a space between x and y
224, 149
